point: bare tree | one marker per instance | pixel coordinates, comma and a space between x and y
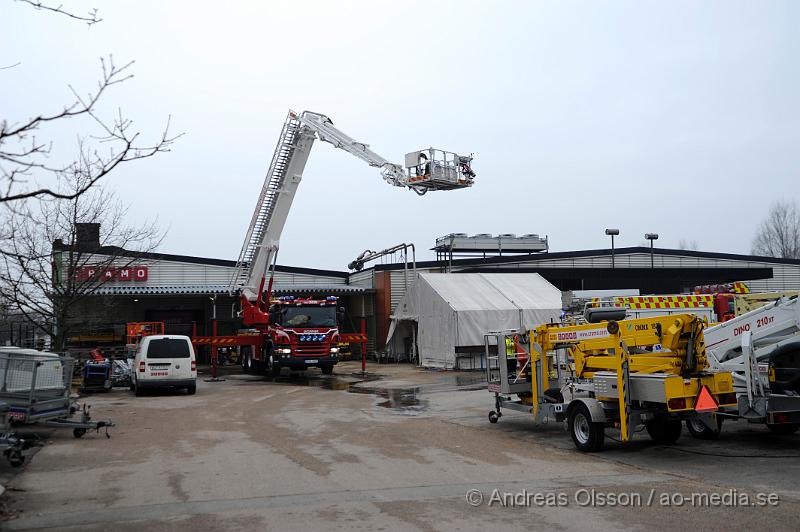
27, 166
779, 233
43, 263
688, 245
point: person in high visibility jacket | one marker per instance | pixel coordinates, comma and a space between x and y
511, 355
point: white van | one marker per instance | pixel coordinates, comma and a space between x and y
164, 361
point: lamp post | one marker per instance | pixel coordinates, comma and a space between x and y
612, 233
651, 237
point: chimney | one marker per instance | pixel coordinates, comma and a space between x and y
87, 235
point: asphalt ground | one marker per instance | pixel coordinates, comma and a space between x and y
403, 449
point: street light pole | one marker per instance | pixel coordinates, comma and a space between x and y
612, 233
651, 237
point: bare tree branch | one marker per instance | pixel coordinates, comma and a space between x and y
90, 18
24, 159
779, 233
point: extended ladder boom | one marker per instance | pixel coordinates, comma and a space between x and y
260, 247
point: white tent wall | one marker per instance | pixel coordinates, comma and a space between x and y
456, 310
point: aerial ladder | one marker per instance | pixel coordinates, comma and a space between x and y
762, 351
265, 344
623, 375
426, 170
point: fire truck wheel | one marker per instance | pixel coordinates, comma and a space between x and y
586, 435
327, 369
699, 430
664, 431
783, 429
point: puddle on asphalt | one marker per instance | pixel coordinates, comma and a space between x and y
403, 401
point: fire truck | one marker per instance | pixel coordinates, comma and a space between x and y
304, 333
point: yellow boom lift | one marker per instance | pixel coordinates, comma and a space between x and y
649, 372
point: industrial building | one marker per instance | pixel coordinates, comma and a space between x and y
188, 292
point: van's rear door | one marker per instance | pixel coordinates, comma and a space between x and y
169, 358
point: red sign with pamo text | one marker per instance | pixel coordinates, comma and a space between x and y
134, 273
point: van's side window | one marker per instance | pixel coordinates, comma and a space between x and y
168, 348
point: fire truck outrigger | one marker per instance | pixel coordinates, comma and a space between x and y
613, 374
303, 333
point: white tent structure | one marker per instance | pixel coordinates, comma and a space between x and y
450, 313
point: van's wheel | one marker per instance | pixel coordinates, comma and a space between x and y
191, 390
131, 386
327, 369
664, 431
493, 417
784, 429
137, 391
699, 430
587, 435
15, 458
78, 432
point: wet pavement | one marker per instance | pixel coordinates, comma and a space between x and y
396, 449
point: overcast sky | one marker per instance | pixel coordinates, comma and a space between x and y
680, 118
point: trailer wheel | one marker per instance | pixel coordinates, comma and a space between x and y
587, 436
664, 431
15, 458
78, 432
493, 417
784, 429
699, 430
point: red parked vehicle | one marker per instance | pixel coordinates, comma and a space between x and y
301, 333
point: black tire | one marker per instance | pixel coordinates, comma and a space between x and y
78, 432
15, 458
191, 390
664, 431
245, 359
553, 395
493, 417
137, 391
131, 386
587, 436
274, 369
327, 369
699, 430
783, 429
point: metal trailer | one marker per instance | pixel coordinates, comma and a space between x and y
761, 349
37, 388
649, 372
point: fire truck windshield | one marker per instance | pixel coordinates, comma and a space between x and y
308, 316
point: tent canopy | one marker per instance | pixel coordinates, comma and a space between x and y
456, 310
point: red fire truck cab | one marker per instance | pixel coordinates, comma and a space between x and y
302, 333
